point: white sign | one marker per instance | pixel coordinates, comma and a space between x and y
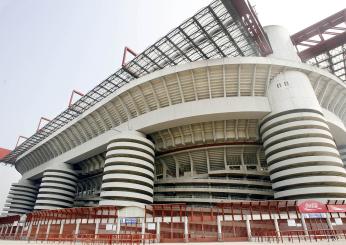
109, 227
151, 226
338, 221
291, 222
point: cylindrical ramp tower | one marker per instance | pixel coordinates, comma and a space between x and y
21, 197
58, 187
301, 154
300, 151
128, 178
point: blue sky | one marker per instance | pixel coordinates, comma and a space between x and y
50, 47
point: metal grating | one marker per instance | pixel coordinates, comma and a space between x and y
324, 44
213, 32
333, 60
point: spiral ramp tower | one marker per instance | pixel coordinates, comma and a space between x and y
301, 153
128, 176
58, 187
21, 197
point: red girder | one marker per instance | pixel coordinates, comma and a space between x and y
322, 36
250, 21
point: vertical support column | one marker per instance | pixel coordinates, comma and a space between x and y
143, 226
306, 233
11, 230
22, 231
118, 225
61, 228
329, 223
277, 228
6, 230
219, 228
17, 229
97, 227
129, 169
158, 231
2, 229
186, 229
77, 227
29, 230
37, 230
248, 228
48, 230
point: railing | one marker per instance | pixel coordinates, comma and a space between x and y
88, 238
299, 235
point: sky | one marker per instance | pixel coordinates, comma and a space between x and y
50, 47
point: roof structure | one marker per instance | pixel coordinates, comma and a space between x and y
324, 44
225, 28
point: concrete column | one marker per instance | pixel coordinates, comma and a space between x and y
277, 228
37, 230
118, 226
48, 230
248, 228
219, 228
306, 233
157, 231
2, 229
186, 229
77, 228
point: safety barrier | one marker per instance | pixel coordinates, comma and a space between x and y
299, 235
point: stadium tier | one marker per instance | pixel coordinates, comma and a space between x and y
220, 109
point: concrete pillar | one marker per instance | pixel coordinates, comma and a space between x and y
118, 226
22, 231
186, 229
277, 228
48, 230
248, 228
157, 231
219, 228
306, 233
2, 229
37, 230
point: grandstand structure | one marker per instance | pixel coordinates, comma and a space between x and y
220, 109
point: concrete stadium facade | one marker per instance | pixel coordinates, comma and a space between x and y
234, 128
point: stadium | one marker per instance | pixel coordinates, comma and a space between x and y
222, 130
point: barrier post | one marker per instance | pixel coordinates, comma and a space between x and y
37, 230
158, 231
248, 228
219, 228
29, 231
61, 228
48, 230
277, 228
306, 233
186, 229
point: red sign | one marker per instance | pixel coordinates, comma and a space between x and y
312, 206
337, 208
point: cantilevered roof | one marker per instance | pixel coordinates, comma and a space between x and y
324, 44
224, 28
